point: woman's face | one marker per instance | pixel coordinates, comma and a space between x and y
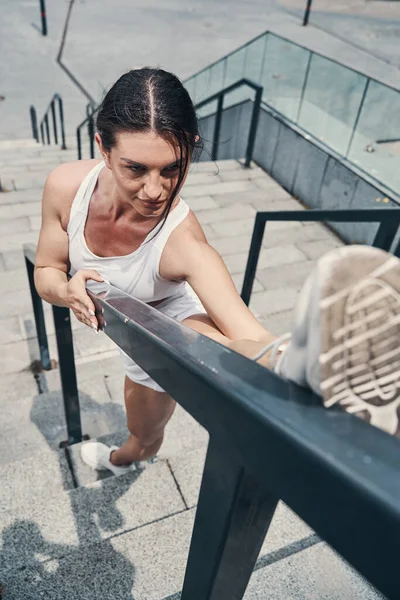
145, 167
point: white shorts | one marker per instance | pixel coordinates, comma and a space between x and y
179, 308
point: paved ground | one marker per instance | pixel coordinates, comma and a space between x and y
104, 39
373, 25
78, 534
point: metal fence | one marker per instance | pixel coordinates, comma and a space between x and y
269, 440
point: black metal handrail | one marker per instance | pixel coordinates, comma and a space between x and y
44, 126
91, 110
269, 440
218, 118
389, 219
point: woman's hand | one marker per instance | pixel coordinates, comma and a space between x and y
77, 299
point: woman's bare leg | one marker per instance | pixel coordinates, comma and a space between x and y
148, 411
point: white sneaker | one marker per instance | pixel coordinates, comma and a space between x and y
345, 337
97, 456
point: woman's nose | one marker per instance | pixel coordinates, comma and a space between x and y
153, 187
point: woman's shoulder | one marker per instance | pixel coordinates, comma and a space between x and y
67, 178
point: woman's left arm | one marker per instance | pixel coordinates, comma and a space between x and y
191, 258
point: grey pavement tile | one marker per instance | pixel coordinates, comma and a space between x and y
316, 573
182, 434
15, 279
215, 167
201, 203
13, 211
234, 227
87, 342
10, 330
200, 179
16, 241
63, 526
231, 244
316, 249
238, 281
96, 369
17, 356
274, 301
281, 255
235, 211
209, 233
278, 323
13, 260
236, 263
35, 222
16, 197
303, 233
14, 225
244, 197
243, 174
145, 564
279, 200
288, 275
213, 189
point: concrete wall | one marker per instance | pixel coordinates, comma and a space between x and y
305, 169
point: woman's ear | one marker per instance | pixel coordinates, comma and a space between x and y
103, 152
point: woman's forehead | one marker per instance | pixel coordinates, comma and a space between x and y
145, 147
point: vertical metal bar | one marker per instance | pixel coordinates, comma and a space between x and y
43, 17
357, 117
39, 318
253, 127
62, 125
53, 114
65, 346
217, 127
42, 132
251, 267
79, 143
303, 90
396, 251
91, 135
307, 13
386, 233
46, 124
232, 520
35, 132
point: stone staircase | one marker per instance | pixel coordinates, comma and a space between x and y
68, 532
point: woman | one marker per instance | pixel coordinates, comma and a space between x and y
121, 220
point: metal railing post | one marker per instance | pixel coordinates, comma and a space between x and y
79, 143
43, 17
62, 126
232, 519
357, 119
35, 132
254, 253
65, 346
46, 124
91, 135
253, 127
307, 13
39, 318
53, 114
42, 132
217, 127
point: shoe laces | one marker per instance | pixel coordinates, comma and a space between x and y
277, 353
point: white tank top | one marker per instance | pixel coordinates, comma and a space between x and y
136, 273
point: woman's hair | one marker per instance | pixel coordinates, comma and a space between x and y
151, 100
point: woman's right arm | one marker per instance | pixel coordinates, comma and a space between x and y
52, 255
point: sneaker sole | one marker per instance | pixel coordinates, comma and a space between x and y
360, 327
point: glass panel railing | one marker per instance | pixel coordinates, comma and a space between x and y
235, 71
283, 75
379, 122
338, 106
254, 60
331, 102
